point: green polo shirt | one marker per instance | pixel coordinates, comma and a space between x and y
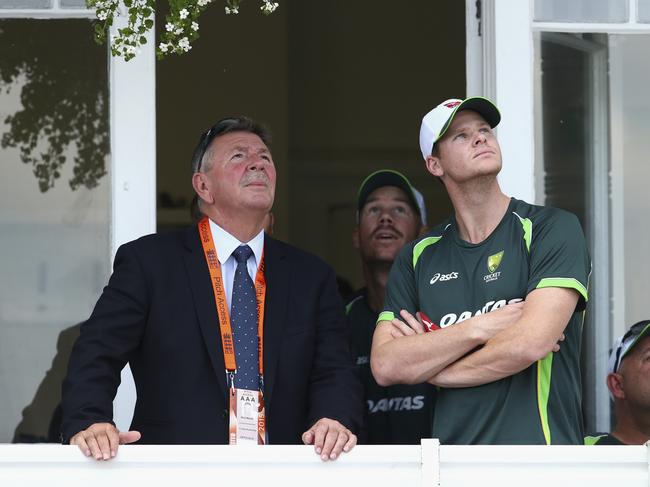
451, 280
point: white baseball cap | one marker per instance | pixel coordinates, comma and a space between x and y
437, 121
624, 344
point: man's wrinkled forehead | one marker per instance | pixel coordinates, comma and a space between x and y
239, 141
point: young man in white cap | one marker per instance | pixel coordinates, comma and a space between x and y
628, 382
390, 213
501, 283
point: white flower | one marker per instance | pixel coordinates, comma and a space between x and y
169, 27
195, 26
183, 14
163, 47
178, 31
184, 44
269, 7
203, 3
102, 15
234, 10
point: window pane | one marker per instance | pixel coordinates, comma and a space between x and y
581, 10
575, 165
643, 10
631, 171
25, 4
54, 209
73, 4
594, 108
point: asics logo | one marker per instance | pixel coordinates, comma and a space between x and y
443, 277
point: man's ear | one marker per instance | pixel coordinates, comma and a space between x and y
201, 187
433, 166
355, 237
615, 385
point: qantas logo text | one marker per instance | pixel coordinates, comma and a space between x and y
407, 403
452, 318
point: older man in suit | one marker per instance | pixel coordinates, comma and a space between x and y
232, 336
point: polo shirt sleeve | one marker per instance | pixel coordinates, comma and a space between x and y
559, 255
401, 290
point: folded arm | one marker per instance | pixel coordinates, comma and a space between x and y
546, 313
418, 357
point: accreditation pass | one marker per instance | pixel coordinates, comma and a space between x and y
244, 416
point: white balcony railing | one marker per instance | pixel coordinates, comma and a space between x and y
366, 466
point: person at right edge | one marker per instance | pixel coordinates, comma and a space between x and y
628, 382
503, 284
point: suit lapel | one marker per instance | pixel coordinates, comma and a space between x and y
201, 286
275, 314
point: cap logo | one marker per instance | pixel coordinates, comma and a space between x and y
452, 104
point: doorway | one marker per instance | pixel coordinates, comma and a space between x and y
342, 86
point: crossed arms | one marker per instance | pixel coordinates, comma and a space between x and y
479, 350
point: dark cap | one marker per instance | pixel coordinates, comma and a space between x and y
390, 177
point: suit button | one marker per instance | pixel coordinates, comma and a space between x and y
224, 414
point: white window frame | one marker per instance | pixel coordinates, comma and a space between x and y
500, 66
132, 167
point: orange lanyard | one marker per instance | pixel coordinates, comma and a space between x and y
222, 307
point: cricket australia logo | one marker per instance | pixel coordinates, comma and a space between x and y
493, 262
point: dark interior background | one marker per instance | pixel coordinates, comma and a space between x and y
342, 85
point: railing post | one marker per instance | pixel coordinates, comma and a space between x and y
430, 462
647, 449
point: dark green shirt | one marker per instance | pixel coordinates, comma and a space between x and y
602, 439
451, 280
395, 415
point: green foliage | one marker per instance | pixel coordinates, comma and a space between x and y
181, 24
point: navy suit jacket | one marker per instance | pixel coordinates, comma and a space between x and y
158, 313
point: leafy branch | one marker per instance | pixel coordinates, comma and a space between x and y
181, 24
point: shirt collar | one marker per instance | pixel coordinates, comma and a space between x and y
225, 243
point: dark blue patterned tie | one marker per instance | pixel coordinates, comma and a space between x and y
243, 317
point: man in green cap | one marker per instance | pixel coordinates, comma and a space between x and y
390, 213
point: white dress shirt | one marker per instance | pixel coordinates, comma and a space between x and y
225, 244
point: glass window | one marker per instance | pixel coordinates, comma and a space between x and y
54, 210
593, 111
630, 105
25, 4
573, 110
73, 4
643, 10
581, 11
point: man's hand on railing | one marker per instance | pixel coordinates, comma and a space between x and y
329, 438
102, 439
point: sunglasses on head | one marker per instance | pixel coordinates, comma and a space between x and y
207, 138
